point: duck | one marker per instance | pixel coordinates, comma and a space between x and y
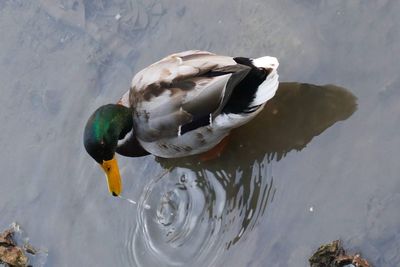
184, 104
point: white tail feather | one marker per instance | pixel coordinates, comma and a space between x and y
266, 62
268, 88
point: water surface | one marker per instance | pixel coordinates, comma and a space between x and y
320, 163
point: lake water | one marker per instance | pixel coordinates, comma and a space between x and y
320, 163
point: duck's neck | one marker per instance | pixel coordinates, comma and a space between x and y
129, 146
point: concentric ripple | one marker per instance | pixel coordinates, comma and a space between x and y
183, 223
197, 214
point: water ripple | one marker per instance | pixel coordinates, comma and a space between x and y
197, 214
183, 224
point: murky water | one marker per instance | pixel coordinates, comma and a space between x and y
320, 162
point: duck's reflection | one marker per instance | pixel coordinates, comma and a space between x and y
234, 189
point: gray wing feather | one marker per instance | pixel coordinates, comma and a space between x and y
179, 90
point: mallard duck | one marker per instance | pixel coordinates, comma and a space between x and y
182, 105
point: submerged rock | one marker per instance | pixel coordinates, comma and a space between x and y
15, 250
6, 238
13, 256
333, 255
10, 253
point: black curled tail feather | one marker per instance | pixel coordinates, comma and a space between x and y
245, 91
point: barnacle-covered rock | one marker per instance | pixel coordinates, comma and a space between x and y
10, 253
333, 255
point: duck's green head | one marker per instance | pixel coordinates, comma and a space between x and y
105, 127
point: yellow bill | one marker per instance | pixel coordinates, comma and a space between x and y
111, 169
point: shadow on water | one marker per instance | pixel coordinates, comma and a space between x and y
199, 209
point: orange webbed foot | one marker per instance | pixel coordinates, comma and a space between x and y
216, 151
